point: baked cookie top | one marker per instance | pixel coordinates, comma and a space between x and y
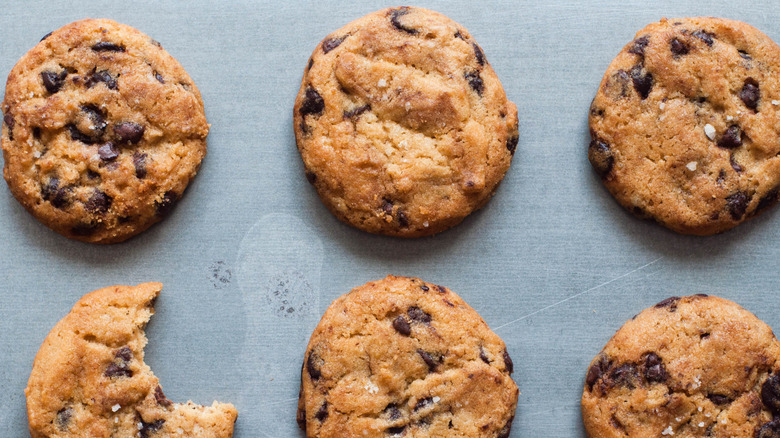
686, 121
102, 131
697, 366
89, 379
401, 357
402, 124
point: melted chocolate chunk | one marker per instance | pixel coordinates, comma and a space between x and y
397, 430
731, 138
392, 412
311, 177
159, 77
331, 43
401, 325
120, 367
150, 428
322, 412
598, 369
507, 429
483, 356
475, 81
160, 397
139, 161
165, 206
422, 403
511, 143
46, 36
395, 14
479, 54
734, 165
424, 288
769, 430
63, 418
105, 46
97, 125
770, 393
98, 203
745, 55
624, 375
417, 314
654, 369
750, 94
737, 204
403, 221
53, 81
510, 366
312, 103
313, 364
128, 132
670, 302
705, 36
356, 112
600, 157
102, 76
719, 399
678, 48
108, 152
56, 195
429, 360
768, 200
643, 81
639, 45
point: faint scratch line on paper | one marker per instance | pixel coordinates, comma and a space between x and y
578, 294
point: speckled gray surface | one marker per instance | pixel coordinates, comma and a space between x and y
250, 258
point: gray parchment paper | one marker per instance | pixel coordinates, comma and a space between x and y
250, 258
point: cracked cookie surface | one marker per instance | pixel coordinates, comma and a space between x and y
402, 124
89, 379
102, 131
685, 126
404, 358
697, 366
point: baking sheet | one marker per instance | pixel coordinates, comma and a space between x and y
250, 258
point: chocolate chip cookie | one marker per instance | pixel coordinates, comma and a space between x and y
697, 366
402, 124
102, 131
686, 121
89, 378
401, 357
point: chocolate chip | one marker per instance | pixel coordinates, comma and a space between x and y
311, 177
429, 360
654, 368
159, 77
312, 103
128, 132
734, 165
311, 63
678, 48
624, 375
719, 399
643, 81
750, 93
511, 143
721, 177
422, 403
600, 157
397, 430
419, 315
403, 221
139, 161
395, 14
9, 121
355, 112
392, 412
98, 203
124, 354
165, 206
160, 398
331, 43
97, 125
618, 85
103, 76
105, 46
424, 288
401, 325
150, 428
120, 367
63, 417
769, 430
46, 36
670, 302
322, 412
53, 81
770, 393
56, 195
510, 366
507, 429
483, 356
595, 371
475, 81
91, 174
768, 200
84, 229
737, 204
639, 45
705, 36
745, 55
313, 364
108, 152
479, 54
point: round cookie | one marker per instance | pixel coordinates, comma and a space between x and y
685, 124
697, 366
103, 130
402, 124
89, 378
401, 357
